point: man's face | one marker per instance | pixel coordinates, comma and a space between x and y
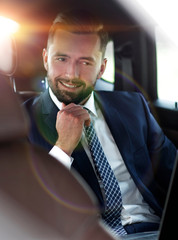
73, 62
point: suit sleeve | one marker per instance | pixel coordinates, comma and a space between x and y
161, 150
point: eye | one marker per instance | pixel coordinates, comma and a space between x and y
86, 63
61, 59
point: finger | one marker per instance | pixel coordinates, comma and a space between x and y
71, 108
76, 111
67, 107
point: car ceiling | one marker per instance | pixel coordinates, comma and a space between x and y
35, 18
43, 11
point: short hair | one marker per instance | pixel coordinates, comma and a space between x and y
79, 22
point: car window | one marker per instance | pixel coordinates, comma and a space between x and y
163, 15
110, 68
167, 70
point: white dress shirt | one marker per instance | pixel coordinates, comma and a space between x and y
135, 209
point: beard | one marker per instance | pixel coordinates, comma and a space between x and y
68, 97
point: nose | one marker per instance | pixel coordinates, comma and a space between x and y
72, 70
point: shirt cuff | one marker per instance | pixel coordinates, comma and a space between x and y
61, 156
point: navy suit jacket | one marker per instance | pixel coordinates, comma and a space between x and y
148, 154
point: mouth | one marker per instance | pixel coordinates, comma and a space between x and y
71, 85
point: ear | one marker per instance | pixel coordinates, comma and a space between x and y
102, 68
45, 58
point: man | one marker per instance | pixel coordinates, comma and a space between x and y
139, 154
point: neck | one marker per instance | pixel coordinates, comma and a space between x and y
85, 100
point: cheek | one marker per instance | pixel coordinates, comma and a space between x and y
94, 75
90, 79
54, 70
90, 72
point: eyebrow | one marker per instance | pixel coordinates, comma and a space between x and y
91, 59
60, 54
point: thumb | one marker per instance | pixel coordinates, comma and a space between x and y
87, 122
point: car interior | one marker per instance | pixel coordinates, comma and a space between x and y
34, 202
133, 53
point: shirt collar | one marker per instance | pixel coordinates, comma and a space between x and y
90, 104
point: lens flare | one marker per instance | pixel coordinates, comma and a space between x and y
7, 27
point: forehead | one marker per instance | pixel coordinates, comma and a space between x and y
75, 42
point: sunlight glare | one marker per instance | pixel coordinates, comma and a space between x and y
164, 14
7, 27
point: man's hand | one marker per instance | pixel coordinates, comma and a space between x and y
69, 125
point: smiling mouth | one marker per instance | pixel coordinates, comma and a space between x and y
71, 85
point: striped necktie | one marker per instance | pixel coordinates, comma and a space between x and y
112, 213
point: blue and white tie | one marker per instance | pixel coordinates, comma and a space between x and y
112, 214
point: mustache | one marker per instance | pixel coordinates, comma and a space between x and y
76, 81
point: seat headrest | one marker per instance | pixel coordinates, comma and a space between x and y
13, 120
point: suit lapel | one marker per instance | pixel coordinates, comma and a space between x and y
111, 110
47, 118
116, 125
